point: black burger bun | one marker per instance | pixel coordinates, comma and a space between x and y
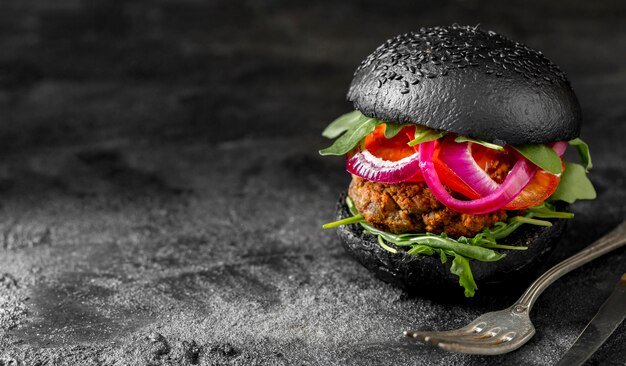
468, 81
426, 275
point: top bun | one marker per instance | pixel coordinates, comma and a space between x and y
467, 81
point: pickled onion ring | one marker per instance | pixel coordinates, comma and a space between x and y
521, 174
458, 157
367, 166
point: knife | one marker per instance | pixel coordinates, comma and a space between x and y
609, 317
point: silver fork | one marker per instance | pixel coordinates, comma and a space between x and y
506, 330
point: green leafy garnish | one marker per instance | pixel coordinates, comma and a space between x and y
434, 241
461, 267
583, 152
546, 210
392, 129
385, 246
425, 134
357, 130
574, 185
347, 221
528, 220
481, 142
341, 124
418, 249
541, 155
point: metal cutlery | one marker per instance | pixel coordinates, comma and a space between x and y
610, 315
506, 330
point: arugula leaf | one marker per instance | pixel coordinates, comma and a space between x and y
500, 231
381, 242
545, 210
461, 267
442, 256
349, 220
574, 185
528, 220
392, 129
342, 124
363, 127
425, 134
481, 142
438, 242
419, 249
542, 156
583, 152
507, 247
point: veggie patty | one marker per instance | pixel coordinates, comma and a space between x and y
411, 207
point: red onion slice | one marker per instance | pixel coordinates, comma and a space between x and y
365, 165
515, 181
458, 157
559, 147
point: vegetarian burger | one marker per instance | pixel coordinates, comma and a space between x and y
456, 154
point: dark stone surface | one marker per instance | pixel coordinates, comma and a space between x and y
161, 195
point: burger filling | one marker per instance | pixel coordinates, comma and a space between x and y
430, 192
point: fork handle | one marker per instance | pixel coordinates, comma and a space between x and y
611, 241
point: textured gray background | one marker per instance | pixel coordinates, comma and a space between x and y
161, 195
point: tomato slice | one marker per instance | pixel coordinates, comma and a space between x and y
392, 149
536, 191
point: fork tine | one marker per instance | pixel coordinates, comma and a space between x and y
475, 335
480, 349
486, 334
423, 335
472, 328
472, 340
465, 344
450, 345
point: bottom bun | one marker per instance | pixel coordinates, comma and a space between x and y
422, 274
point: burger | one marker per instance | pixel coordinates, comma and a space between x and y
456, 149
